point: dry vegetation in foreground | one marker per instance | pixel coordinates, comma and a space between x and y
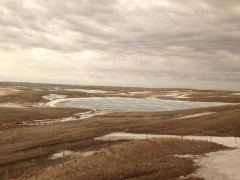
27, 149
142, 159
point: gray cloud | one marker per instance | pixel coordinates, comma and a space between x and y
156, 41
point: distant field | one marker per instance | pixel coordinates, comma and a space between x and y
32, 93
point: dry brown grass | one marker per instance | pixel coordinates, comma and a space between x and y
13, 117
224, 122
25, 96
32, 96
29, 95
151, 159
26, 149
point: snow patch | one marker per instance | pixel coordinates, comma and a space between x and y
176, 95
221, 165
187, 156
91, 91
37, 89
39, 104
76, 117
195, 115
225, 141
12, 105
139, 92
7, 91
53, 97
67, 153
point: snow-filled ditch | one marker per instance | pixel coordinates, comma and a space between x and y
54, 96
225, 141
76, 117
177, 94
13, 105
68, 153
91, 91
195, 115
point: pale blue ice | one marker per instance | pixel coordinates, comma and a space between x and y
132, 104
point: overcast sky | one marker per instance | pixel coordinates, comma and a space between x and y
150, 43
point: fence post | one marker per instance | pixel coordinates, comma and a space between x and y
109, 143
6, 177
63, 158
147, 133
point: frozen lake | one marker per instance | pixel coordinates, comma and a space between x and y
129, 104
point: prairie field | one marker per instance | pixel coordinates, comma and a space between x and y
31, 133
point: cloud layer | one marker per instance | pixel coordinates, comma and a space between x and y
167, 43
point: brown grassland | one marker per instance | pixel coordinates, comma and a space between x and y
142, 159
25, 149
16, 117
